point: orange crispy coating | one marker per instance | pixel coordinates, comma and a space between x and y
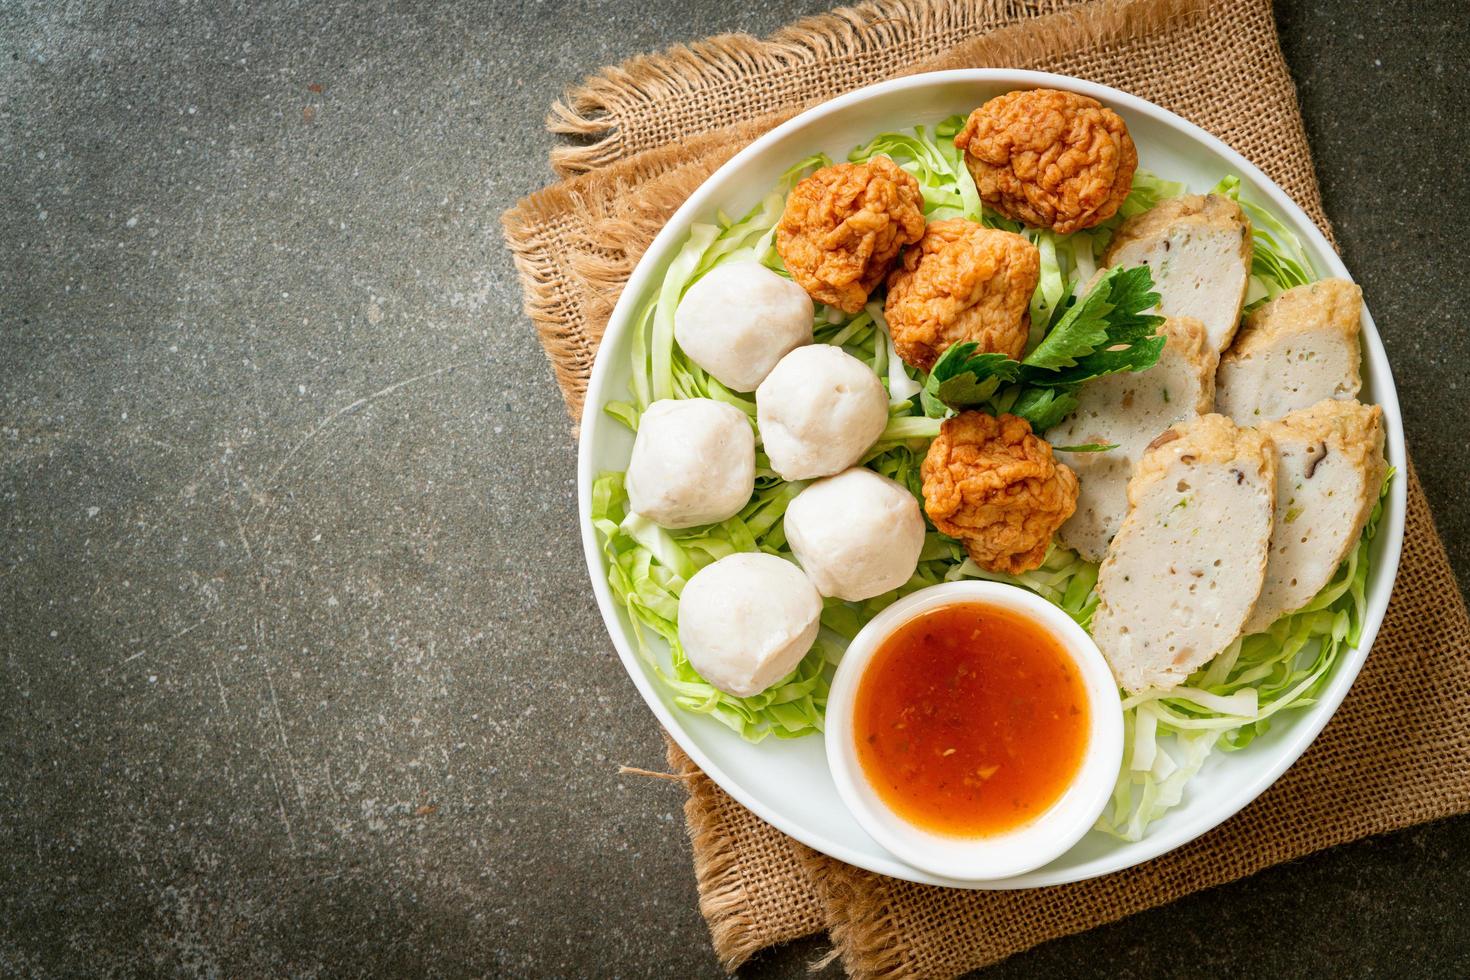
994, 485
844, 225
1051, 159
962, 281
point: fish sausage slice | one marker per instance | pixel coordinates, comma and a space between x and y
1187, 566
1293, 352
1329, 469
1130, 410
1199, 250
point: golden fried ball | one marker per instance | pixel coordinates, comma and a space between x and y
962, 281
1051, 159
992, 484
844, 225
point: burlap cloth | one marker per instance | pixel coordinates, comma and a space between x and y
652, 129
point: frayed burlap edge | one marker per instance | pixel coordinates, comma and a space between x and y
569, 294
594, 110
744, 914
546, 301
1087, 26
717, 871
1070, 28
865, 933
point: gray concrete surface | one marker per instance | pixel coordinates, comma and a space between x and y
300, 671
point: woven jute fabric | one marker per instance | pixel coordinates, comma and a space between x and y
1398, 750
662, 99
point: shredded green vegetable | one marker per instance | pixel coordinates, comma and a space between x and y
647, 569
936, 163
1278, 260
1169, 735
648, 565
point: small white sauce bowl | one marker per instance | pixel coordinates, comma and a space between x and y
1033, 844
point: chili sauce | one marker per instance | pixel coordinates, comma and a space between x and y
970, 720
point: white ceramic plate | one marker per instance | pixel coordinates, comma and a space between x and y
787, 783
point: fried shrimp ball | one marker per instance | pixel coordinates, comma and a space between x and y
991, 483
962, 281
1052, 159
844, 225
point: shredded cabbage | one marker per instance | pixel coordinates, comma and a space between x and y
1148, 190
1168, 735
936, 163
647, 569
1278, 260
1064, 579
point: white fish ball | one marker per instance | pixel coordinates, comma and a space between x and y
819, 411
741, 318
693, 462
746, 621
856, 534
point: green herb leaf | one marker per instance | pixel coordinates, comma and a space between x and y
1106, 332
1137, 356
1089, 447
1110, 316
1044, 407
962, 378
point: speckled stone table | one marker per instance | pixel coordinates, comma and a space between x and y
300, 671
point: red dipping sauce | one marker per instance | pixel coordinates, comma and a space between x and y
970, 720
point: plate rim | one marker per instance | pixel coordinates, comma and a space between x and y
1390, 536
